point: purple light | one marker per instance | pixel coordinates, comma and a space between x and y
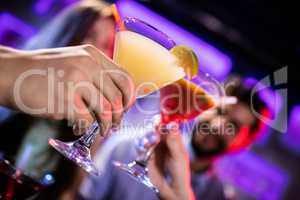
211, 59
4, 113
292, 138
137, 26
253, 175
249, 82
271, 98
13, 30
43, 7
68, 2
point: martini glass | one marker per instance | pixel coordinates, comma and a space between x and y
79, 151
151, 66
180, 101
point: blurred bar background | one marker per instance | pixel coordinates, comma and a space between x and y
251, 38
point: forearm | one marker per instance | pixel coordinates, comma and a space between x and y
11, 62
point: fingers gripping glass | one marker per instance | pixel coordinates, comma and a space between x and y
128, 53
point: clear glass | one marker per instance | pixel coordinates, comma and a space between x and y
212, 92
79, 150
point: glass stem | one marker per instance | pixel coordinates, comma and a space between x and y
145, 147
146, 144
89, 137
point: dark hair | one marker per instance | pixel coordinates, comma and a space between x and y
68, 28
238, 88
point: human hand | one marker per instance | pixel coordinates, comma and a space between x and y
78, 83
170, 157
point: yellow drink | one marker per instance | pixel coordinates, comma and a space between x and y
151, 65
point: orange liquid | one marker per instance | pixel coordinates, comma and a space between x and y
182, 101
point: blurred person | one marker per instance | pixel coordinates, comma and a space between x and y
216, 132
81, 39
228, 129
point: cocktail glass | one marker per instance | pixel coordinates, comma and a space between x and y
151, 65
180, 101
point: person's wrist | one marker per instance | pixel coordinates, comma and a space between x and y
189, 194
13, 63
184, 191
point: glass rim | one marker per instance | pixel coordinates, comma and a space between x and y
147, 30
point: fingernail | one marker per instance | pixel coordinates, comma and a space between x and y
172, 127
116, 126
76, 130
115, 129
105, 129
80, 127
163, 129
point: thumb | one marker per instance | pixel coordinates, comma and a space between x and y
174, 141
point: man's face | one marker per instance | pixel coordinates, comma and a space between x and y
211, 136
214, 132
